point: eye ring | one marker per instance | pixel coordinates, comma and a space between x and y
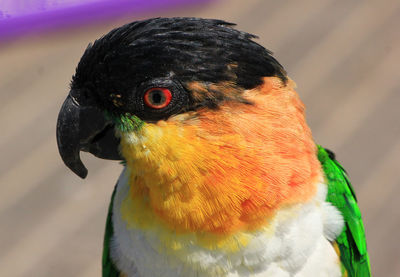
157, 98
179, 99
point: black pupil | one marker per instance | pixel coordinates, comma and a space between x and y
157, 97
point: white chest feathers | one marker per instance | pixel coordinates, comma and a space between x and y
295, 243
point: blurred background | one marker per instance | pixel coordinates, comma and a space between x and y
343, 55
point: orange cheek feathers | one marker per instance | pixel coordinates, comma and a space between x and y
225, 170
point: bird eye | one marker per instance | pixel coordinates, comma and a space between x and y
157, 98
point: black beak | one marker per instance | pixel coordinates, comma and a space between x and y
83, 127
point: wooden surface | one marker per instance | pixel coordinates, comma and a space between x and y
344, 56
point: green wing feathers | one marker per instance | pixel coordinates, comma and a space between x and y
108, 268
351, 242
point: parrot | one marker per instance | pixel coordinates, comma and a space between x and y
221, 175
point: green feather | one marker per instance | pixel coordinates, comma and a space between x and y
351, 242
125, 122
108, 267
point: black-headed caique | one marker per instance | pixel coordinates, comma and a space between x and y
221, 174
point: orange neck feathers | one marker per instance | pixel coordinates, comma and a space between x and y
225, 170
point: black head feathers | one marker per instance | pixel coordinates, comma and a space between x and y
182, 49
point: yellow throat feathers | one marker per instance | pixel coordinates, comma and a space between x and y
222, 171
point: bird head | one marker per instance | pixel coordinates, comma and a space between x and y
208, 122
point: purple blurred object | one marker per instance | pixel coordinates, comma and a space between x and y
27, 16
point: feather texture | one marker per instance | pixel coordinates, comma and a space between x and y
291, 245
351, 242
108, 267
